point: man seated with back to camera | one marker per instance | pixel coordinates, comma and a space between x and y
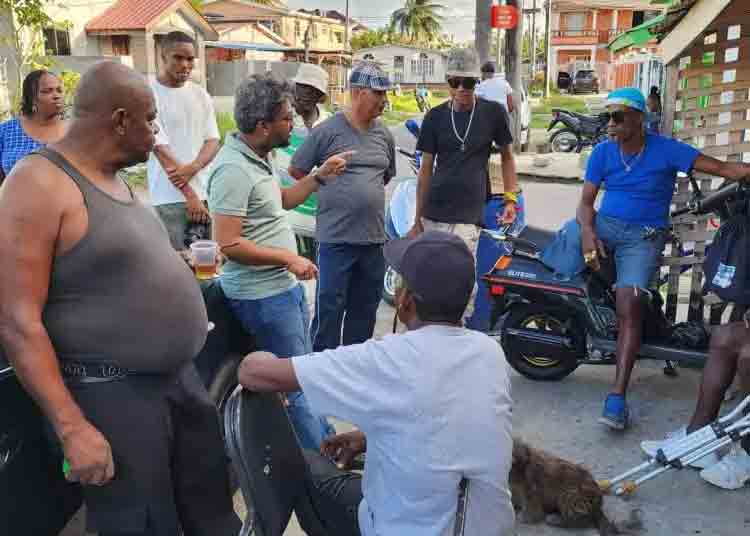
408, 394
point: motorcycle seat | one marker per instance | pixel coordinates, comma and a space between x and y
592, 119
539, 237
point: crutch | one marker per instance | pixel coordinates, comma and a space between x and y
712, 437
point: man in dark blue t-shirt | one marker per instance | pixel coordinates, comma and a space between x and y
639, 172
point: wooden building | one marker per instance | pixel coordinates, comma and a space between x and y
707, 104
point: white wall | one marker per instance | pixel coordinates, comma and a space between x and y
385, 56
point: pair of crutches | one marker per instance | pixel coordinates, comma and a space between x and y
726, 430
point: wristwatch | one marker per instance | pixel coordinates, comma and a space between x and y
315, 175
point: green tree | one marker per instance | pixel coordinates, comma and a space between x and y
26, 20
419, 20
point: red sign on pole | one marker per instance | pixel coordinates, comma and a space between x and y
504, 17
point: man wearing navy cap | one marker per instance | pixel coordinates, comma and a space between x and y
408, 395
639, 172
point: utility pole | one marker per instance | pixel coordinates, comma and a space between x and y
533, 40
346, 27
306, 42
547, 47
513, 48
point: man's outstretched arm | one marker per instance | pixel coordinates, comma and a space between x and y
263, 372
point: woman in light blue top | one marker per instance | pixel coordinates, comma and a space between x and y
39, 123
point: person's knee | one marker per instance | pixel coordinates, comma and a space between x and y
628, 305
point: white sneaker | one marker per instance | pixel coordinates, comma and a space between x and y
731, 472
652, 447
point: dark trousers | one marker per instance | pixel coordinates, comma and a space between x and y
348, 295
336, 495
171, 473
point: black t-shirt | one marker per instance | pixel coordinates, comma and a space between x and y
458, 189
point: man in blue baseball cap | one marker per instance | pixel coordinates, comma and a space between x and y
639, 171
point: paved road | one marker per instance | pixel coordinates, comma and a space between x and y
560, 417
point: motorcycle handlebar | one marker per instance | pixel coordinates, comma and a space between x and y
404, 152
711, 202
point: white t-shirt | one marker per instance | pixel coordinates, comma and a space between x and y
435, 406
186, 119
495, 89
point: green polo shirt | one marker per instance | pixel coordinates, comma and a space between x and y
244, 185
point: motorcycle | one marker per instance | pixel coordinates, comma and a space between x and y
399, 219
549, 325
579, 131
36, 498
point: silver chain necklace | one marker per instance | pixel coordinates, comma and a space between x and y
468, 127
634, 160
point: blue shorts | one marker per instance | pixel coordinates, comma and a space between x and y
637, 249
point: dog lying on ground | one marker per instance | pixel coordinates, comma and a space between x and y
547, 488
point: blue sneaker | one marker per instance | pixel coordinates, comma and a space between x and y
615, 414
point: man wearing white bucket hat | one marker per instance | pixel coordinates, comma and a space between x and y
311, 90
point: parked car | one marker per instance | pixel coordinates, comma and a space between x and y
563, 81
585, 80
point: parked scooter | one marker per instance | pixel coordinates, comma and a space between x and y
548, 325
579, 131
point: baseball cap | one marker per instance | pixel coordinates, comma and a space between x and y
312, 75
437, 267
368, 75
627, 96
462, 63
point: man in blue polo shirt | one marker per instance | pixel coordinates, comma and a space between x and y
638, 171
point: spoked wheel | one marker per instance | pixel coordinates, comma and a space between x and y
389, 286
535, 365
564, 140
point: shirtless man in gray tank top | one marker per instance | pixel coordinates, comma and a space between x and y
88, 278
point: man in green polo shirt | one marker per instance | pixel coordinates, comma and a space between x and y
262, 274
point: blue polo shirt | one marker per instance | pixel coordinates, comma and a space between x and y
643, 194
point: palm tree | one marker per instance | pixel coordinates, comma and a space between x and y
419, 20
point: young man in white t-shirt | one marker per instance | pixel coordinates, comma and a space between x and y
187, 142
495, 88
432, 405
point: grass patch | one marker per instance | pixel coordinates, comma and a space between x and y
136, 177
394, 117
226, 124
574, 104
540, 120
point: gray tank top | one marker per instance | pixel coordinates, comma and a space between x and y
122, 293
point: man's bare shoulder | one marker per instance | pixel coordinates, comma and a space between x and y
36, 184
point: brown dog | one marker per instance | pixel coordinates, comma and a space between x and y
547, 488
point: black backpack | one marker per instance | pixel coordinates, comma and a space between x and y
727, 263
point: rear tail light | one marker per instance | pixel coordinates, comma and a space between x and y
497, 290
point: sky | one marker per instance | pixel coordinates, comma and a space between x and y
459, 17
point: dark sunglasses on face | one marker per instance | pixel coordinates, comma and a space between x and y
466, 83
618, 117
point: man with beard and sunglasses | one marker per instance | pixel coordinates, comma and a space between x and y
456, 139
639, 171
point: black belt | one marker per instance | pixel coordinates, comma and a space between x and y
93, 372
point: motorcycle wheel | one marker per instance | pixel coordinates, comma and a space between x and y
540, 367
564, 140
389, 286
221, 388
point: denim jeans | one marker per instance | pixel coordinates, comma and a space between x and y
280, 325
348, 295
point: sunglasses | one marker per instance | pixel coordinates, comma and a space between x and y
466, 83
618, 117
